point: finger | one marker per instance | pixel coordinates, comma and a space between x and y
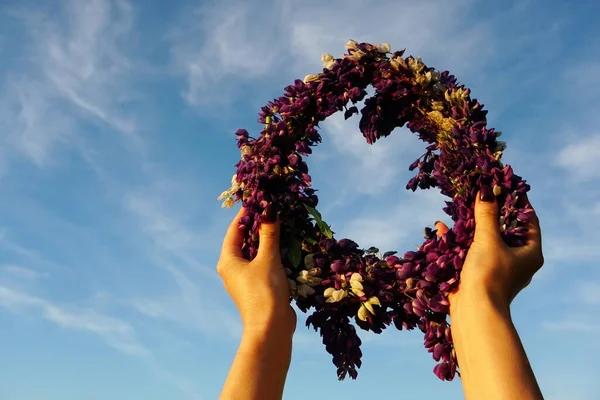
234, 238
268, 236
487, 227
534, 232
441, 228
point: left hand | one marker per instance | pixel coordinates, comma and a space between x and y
259, 288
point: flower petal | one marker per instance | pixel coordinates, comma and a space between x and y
356, 285
363, 313
224, 195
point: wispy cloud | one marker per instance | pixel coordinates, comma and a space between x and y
219, 41
115, 332
72, 71
573, 325
396, 228
366, 169
589, 293
178, 248
192, 305
581, 158
22, 272
232, 40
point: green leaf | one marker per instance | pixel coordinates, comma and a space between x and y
323, 227
295, 252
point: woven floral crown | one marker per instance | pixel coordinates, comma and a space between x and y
334, 278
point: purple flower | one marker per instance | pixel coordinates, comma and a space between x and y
344, 283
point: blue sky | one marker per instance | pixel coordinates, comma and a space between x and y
116, 136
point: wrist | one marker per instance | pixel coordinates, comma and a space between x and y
279, 327
473, 300
274, 345
268, 333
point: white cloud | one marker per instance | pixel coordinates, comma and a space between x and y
179, 249
73, 70
371, 169
162, 217
572, 325
115, 332
216, 42
233, 40
22, 272
319, 27
581, 158
193, 305
395, 229
590, 293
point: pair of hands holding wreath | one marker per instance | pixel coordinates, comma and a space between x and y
493, 249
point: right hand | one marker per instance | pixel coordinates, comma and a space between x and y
259, 288
491, 267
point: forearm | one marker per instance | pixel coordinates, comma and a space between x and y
491, 357
260, 367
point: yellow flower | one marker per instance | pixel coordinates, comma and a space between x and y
356, 53
307, 278
356, 284
366, 309
327, 60
351, 45
416, 64
436, 117
228, 203
363, 313
457, 96
224, 195
304, 290
445, 124
245, 150
311, 78
333, 295
383, 47
497, 190
398, 62
369, 304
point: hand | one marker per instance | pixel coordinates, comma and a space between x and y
492, 268
259, 288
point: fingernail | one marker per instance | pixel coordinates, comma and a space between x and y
436, 222
486, 193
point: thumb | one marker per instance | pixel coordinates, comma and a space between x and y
268, 246
486, 216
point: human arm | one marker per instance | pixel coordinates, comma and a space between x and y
260, 367
260, 291
491, 358
492, 361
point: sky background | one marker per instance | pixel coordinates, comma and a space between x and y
116, 137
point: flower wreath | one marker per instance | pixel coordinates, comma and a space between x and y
335, 277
